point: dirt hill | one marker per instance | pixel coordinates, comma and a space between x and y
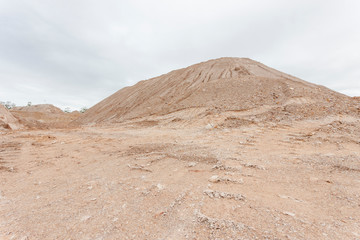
43, 116
219, 86
43, 108
7, 120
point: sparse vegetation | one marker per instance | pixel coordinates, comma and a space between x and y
83, 109
8, 104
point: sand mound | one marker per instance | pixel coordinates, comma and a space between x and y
43, 108
217, 86
7, 120
43, 116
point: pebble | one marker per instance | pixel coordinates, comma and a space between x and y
209, 126
160, 186
289, 214
85, 218
192, 164
214, 179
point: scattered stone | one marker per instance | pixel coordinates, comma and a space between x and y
216, 194
214, 223
217, 179
139, 167
227, 168
253, 166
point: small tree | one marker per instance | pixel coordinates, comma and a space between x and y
9, 105
29, 104
83, 109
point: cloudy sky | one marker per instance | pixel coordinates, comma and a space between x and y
74, 53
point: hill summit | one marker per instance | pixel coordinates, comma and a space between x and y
219, 85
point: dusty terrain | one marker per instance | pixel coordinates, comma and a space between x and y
298, 181
284, 164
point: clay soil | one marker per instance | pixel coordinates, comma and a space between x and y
147, 180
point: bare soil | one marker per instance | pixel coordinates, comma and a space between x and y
267, 181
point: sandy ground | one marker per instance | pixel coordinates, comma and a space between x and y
133, 181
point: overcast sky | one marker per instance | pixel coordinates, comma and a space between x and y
74, 53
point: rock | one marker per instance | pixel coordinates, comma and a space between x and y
214, 179
192, 164
209, 126
215, 194
160, 186
85, 218
289, 214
